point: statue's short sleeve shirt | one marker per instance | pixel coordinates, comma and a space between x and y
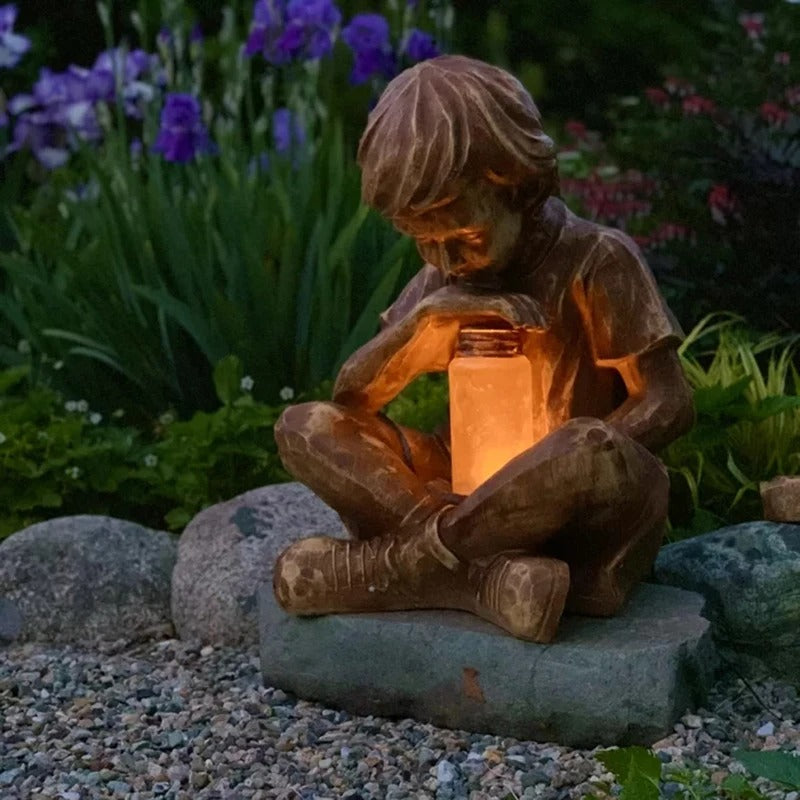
602, 306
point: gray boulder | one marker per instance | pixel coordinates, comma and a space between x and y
228, 549
10, 621
749, 575
81, 578
621, 680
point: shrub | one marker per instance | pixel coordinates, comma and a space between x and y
167, 237
747, 396
62, 457
722, 141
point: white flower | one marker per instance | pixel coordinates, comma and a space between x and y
82, 406
95, 418
24, 347
58, 364
70, 406
167, 418
2, 437
247, 383
73, 472
150, 460
287, 393
120, 412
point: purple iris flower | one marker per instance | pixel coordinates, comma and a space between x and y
367, 36
297, 29
44, 137
61, 109
182, 135
420, 46
12, 45
196, 34
287, 130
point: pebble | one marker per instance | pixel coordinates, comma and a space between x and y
767, 729
175, 720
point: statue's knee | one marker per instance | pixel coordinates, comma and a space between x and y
299, 420
591, 431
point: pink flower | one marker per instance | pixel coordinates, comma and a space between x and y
576, 129
696, 104
753, 25
722, 203
783, 58
658, 97
773, 114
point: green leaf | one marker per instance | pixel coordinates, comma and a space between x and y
11, 377
775, 765
228, 374
737, 787
714, 400
177, 518
772, 406
637, 770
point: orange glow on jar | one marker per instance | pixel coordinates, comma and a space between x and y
491, 404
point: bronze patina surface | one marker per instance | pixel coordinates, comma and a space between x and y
454, 154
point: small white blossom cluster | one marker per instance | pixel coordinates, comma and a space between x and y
73, 472
150, 460
82, 407
2, 437
247, 384
286, 394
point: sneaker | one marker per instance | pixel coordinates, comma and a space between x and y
524, 595
395, 572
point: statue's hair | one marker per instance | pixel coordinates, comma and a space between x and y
448, 121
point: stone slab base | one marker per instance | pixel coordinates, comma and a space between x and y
604, 681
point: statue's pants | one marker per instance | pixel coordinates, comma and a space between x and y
586, 494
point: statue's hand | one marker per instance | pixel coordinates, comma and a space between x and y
467, 305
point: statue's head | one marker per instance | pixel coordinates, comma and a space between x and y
454, 154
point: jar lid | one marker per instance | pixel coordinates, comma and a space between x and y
489, 341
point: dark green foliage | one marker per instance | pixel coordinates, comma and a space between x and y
775, 765
143, 290
61, 458
748, 425
723, 140
640, 775
575, 59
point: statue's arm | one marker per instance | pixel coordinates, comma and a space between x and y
632, 331
420, 336
659, 407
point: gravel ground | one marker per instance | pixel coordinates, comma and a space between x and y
173, 720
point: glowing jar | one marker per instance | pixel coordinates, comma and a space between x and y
491, 404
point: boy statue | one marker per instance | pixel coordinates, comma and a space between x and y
455, 156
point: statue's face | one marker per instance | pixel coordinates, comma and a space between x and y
467, 234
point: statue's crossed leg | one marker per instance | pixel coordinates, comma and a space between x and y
575, 520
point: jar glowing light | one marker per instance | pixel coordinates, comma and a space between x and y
491, 404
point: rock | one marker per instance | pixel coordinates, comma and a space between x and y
781, 499
603, 681
10, 621
82, 578
767, 729
229, 548
750, 576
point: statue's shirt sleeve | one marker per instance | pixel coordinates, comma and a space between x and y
619, 300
